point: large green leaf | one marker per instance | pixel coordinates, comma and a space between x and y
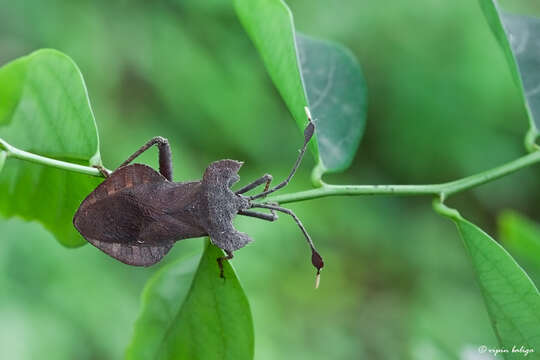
306, 71
44, 109
512, 299
189, 312
269, 23
518, 35
520, 235
336, 94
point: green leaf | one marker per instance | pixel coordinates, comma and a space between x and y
189, 312
518, 34
336, 94
270, 25
306, 71
512, 299
520, 234
44, 109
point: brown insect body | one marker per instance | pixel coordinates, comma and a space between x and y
136, 214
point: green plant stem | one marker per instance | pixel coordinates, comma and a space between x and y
530, 140
12, 151
441, 190
444, 210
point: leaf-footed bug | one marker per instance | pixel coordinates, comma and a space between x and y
137, 214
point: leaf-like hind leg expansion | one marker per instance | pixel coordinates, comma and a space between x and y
266, 178
220, 262
165, 156
102, 170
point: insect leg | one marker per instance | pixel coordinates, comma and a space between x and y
258, 215
165, 156
316, 258
220, 262
265, 178
102, 170
308, 133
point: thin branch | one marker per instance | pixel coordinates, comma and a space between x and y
442, 190
12, 151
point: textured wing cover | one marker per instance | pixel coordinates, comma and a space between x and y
117, 235
136, 255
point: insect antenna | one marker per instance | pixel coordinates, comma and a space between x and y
308, 134
316, 258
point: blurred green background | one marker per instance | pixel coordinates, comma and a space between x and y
397, 282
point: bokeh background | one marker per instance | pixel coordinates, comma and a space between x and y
397, 282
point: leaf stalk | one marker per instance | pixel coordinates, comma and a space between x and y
12, 151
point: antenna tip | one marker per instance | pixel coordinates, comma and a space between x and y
308, 113
317, 280
317, 260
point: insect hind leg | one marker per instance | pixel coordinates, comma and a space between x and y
104, 172
165, 156
220, 260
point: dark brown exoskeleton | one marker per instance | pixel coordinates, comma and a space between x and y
137, 214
